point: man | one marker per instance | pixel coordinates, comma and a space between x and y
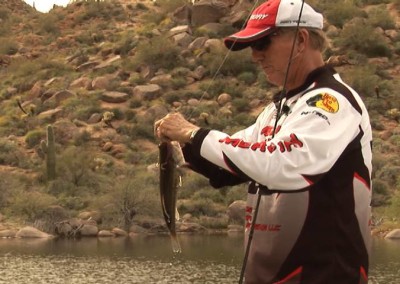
308, 156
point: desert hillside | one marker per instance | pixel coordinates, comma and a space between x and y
95, 75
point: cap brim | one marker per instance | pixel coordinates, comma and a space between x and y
244, 38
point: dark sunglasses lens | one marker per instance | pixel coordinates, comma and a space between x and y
261, 44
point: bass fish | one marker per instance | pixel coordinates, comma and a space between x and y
170, 160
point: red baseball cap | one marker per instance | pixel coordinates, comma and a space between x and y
270, 16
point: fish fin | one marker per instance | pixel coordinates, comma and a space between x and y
177, 216
176, 247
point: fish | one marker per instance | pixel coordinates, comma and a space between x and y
170, 160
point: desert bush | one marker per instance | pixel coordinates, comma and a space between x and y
362, 37
363, 79
124, 200
159, 52
380, 17
247, 77
48, 24
34, 137
8, 46
209, 193
29, 204
388, 173
199, 207
340, 12
379, 187
231, 63
11, 154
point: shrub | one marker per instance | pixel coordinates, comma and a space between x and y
340, 12
158, 52
231, 63
247, 77
11, 154
379, 187
8, 46
362, 79
34, 137
380, 17
362, 37
48, 24
30, 204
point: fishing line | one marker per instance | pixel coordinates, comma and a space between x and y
278, 114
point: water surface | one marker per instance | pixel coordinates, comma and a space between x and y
149, 259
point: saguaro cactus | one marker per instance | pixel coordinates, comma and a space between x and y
49, 149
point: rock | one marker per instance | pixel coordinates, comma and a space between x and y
394, 234
87, 66
147, 92
182, 39
137, 229
107, 63
91, 215
50, 114
114, 97
102, 82
235, 228
95, 118
83, 82
89, 231
193, 102
31, 232
236, 211
8, 233
105, 233
179, 30
223, 99
119, 232
163, 79
208, 11
61, 96
385, 135
190, 228
197, 43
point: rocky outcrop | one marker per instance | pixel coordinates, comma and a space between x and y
31, 232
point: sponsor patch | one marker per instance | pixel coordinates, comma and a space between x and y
325, 102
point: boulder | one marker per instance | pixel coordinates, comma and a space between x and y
223, 99
105, 233
89, 231
119, 232
31, 232
394, 234
83, 82
114, 97
147, 92
102, 82
8, 233
208, 11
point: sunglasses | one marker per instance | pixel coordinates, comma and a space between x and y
262, 43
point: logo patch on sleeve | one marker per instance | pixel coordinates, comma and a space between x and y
324, 101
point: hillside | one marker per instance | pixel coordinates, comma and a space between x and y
100, 73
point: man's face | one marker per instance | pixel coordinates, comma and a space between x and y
272, 54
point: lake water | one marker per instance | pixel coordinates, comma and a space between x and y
148, 259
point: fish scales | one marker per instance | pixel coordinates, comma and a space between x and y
170, 159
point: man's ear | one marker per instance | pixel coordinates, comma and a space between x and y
303, 38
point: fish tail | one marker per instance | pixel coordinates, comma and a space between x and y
176, 247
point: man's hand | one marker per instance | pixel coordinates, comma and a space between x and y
174, 127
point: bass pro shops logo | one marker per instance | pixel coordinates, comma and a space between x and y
325, 102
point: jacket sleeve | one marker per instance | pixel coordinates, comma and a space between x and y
218, 176
309, 142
